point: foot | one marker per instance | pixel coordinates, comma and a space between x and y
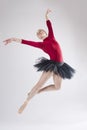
22, 107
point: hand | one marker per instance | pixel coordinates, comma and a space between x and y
7, 41
47, 12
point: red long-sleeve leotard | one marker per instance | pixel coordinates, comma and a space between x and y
49, 45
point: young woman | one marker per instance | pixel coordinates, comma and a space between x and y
55, 66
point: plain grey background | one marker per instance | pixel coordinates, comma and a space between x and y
64, 109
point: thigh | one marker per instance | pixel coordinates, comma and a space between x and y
57, 80
44, 77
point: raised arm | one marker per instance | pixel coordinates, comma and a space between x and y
49, 24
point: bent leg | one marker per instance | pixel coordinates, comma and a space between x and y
56, 86
47, 88
57, 81
45, 76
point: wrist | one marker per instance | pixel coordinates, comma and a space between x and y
13, 39
46, 17
17, 40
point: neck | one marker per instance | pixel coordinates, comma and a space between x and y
44, 37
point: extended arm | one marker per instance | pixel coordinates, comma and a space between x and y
27, 42
32, 43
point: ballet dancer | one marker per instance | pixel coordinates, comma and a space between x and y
54, 66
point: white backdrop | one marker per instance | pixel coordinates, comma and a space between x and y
64, 109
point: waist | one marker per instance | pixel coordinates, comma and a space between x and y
51, 61
57, 59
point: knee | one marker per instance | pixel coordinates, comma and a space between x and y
57, 87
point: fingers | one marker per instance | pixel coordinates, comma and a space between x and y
7, 41
48, 11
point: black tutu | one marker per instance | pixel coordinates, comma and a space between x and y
62, 69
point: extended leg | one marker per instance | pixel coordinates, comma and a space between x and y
45, 76
56, 86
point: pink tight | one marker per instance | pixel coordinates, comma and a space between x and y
38, 87
44, 77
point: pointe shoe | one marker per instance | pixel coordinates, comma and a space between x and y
22, 107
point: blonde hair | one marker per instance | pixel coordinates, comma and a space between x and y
39, 30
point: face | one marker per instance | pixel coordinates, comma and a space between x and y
41, 34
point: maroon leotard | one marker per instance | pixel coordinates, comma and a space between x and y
49, 45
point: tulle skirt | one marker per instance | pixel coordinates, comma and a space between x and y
62, 69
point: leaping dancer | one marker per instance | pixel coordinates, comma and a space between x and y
54, 66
